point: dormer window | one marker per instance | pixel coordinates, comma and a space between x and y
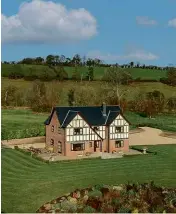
119, 129
78, 131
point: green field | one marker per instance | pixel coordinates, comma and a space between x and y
28, 183
98, 71
22, 123
25, 123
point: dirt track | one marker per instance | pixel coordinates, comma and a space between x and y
150, 136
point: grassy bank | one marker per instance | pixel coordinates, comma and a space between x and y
28, 183
25, 123
131, 90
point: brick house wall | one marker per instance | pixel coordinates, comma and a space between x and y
87, 149
55, 135
58, 135
125, 148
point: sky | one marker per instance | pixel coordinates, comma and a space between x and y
115, 31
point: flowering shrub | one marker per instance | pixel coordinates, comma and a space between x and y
129, 198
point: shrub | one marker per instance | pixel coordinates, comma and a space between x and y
61, 73
47, 75
16, 72
68, 206
89, 209
95, 193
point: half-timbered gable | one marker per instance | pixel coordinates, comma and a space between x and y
100, 130
79, 130
119, 128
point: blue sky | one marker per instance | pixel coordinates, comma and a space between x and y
113, 30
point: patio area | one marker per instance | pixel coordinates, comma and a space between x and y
52, 157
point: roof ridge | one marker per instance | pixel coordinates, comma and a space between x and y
107, 117
65, 117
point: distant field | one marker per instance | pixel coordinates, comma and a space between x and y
133, 89
98, 71
28, 183
25, 123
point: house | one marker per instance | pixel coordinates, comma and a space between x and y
74, 130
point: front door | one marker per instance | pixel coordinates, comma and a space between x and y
97, 144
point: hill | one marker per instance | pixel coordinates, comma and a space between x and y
143, 74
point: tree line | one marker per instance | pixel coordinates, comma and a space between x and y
78, 60
49, 73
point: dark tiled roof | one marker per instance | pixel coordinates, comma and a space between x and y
91, 114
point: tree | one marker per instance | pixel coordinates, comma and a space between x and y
90, 62
67, 61
50, 60
38, 97
132, 64
171, 104
39, 60
76, 60
62, 59
171, 75
71, 97
27, 61
115, 76
90, 74
84, 61
9, 95
150, 103
57, 60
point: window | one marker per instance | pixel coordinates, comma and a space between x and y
77, 147
59, 147
52, 128
78, 131
52, 142
90, 144
96, 128
119, 144
119, 129
96, 144
59, 130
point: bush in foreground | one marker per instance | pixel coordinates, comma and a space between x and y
128, 198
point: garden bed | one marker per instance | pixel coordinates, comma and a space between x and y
144, 198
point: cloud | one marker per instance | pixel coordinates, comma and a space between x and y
172, 22
137, 55
145, 20
47, 22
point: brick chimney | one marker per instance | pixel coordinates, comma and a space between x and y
104, 109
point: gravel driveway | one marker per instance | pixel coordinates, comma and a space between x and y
150, 136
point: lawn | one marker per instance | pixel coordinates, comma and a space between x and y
22, 123
25, 123
28, 183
